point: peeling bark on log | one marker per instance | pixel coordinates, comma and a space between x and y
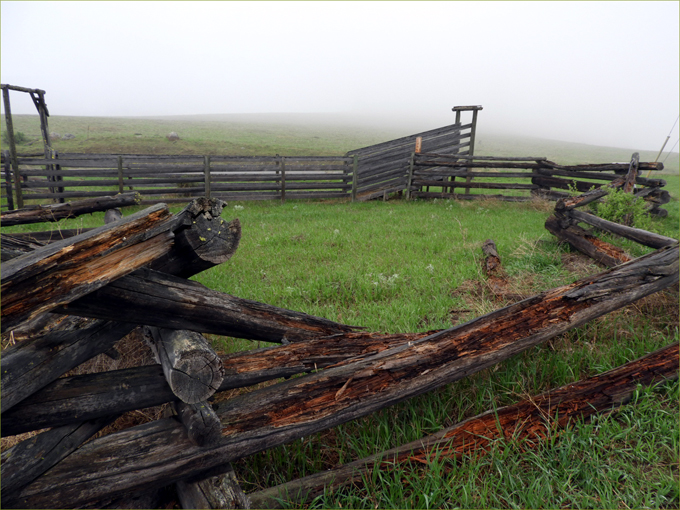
526, 420
56, 212
151, 298
192, 368
221, 491
29, 459
496, 278
66, 270
95, 395
202, 424
600, 251
634, 234
158, 453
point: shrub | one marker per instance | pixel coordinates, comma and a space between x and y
624, 208
19, 138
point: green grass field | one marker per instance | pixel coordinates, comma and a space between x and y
400, 266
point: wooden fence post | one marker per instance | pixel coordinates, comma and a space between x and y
12, 147
8, 180
355, 165
283, 179
206, 173
120, 174
410, 175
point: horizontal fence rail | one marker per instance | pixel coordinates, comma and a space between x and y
177, 178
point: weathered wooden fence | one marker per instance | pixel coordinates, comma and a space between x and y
464, 177
176, 178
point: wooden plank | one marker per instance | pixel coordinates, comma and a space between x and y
460, 196
476, 185
406, 140
155, 454
62, 272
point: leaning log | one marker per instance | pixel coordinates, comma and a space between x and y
158, 453
29, 459
56, 212
629, 184
89, 396
66, 270
152, 298
600, 251
565, 204
192, 368
527, 420
634, 234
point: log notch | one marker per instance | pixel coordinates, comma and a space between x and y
527, 420
222, 491
152, 298
89, 396
66, 270
56, 212
158, 453
192, 368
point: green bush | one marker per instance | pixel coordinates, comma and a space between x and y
19, 138
624, 208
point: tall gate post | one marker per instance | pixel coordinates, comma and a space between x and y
355, 165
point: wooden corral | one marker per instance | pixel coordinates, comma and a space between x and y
343, 373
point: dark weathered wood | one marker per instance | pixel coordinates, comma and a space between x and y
419, 181
566, 204
629, 184
222, 491
29, 459
86, 397
559, 183
192, 368
203, 425
148, 297
112, 215
158, 453
634, 234
527, 420
600, 251
61, 272
56, 212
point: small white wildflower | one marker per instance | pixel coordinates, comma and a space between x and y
336, 232
430, 268
295, 207
238, 208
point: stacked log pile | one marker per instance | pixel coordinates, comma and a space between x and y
537, 176
72, 299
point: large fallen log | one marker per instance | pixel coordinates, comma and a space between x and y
530, 420
66, 270
56, 212
600, 251
152, 298
158, 453
86, 397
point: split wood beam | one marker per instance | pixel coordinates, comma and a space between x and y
152, 298
531, 420
155, 454
62, 272
56, 212
222, 491
86, 397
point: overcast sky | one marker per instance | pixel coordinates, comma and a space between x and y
604, 73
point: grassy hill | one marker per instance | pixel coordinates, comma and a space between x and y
286, 134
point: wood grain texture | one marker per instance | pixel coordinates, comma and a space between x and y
158, 453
